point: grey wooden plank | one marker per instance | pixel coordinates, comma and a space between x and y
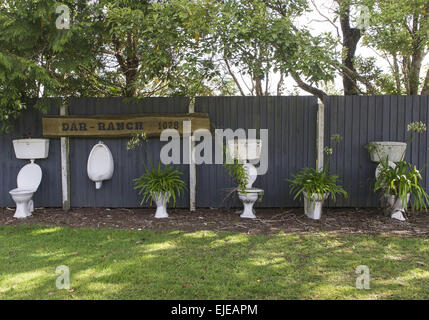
425, 174
385, 100
415, 117
355, 150
422, 145
365, 174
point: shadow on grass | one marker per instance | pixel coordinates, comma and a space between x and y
118, 264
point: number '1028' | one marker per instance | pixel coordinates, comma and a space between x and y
168, 125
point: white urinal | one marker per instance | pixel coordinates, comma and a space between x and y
100, 164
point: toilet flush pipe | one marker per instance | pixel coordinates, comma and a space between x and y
98, 184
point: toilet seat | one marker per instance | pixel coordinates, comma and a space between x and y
29, 177
252, 190
380, 167
20, 191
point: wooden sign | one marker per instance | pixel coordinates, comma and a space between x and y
120, 125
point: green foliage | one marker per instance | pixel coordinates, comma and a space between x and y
158, 180
314, 182
260, 37
318, 182
237, 172
113, 48
404, 178
399, 31
400, 181
137, 140
38, 60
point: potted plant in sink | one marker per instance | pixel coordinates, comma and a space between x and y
158, 184
397, 183
398, 180
316, 186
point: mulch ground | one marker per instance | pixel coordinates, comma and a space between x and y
346, 221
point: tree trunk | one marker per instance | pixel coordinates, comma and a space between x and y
396, 74
128, 64
351, 37
425, 89
258, 87
414, 76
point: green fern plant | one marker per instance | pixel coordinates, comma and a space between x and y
158, 180
237, 172
312, 181
319, 182
401, 180
404, 178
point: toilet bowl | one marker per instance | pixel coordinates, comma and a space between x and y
246, 150
100, 164
380, 167
28, 181
249, 197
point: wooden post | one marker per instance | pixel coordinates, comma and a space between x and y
320, 135
65, 164
192, 169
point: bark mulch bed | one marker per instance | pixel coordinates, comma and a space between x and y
346, 221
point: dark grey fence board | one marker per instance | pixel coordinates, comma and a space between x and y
292, 143
30, 125
360, 120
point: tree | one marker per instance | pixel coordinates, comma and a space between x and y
252, 40
400, 30
32, 56
112, 48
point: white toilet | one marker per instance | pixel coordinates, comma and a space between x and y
100, 164
246, 150
30, 175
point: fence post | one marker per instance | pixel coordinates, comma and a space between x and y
192, 168
65, 164
320, 135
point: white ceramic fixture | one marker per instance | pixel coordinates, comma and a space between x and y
313, 205
31, 149
100, 164
246, 150
161, 201
397, 208
30, 175
249, 197
380, 167
394, 152
391, 150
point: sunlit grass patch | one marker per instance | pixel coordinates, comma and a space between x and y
115, 264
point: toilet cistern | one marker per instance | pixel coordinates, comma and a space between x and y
245, 150
30, 175
100, 165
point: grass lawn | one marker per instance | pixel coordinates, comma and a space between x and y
120, 264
